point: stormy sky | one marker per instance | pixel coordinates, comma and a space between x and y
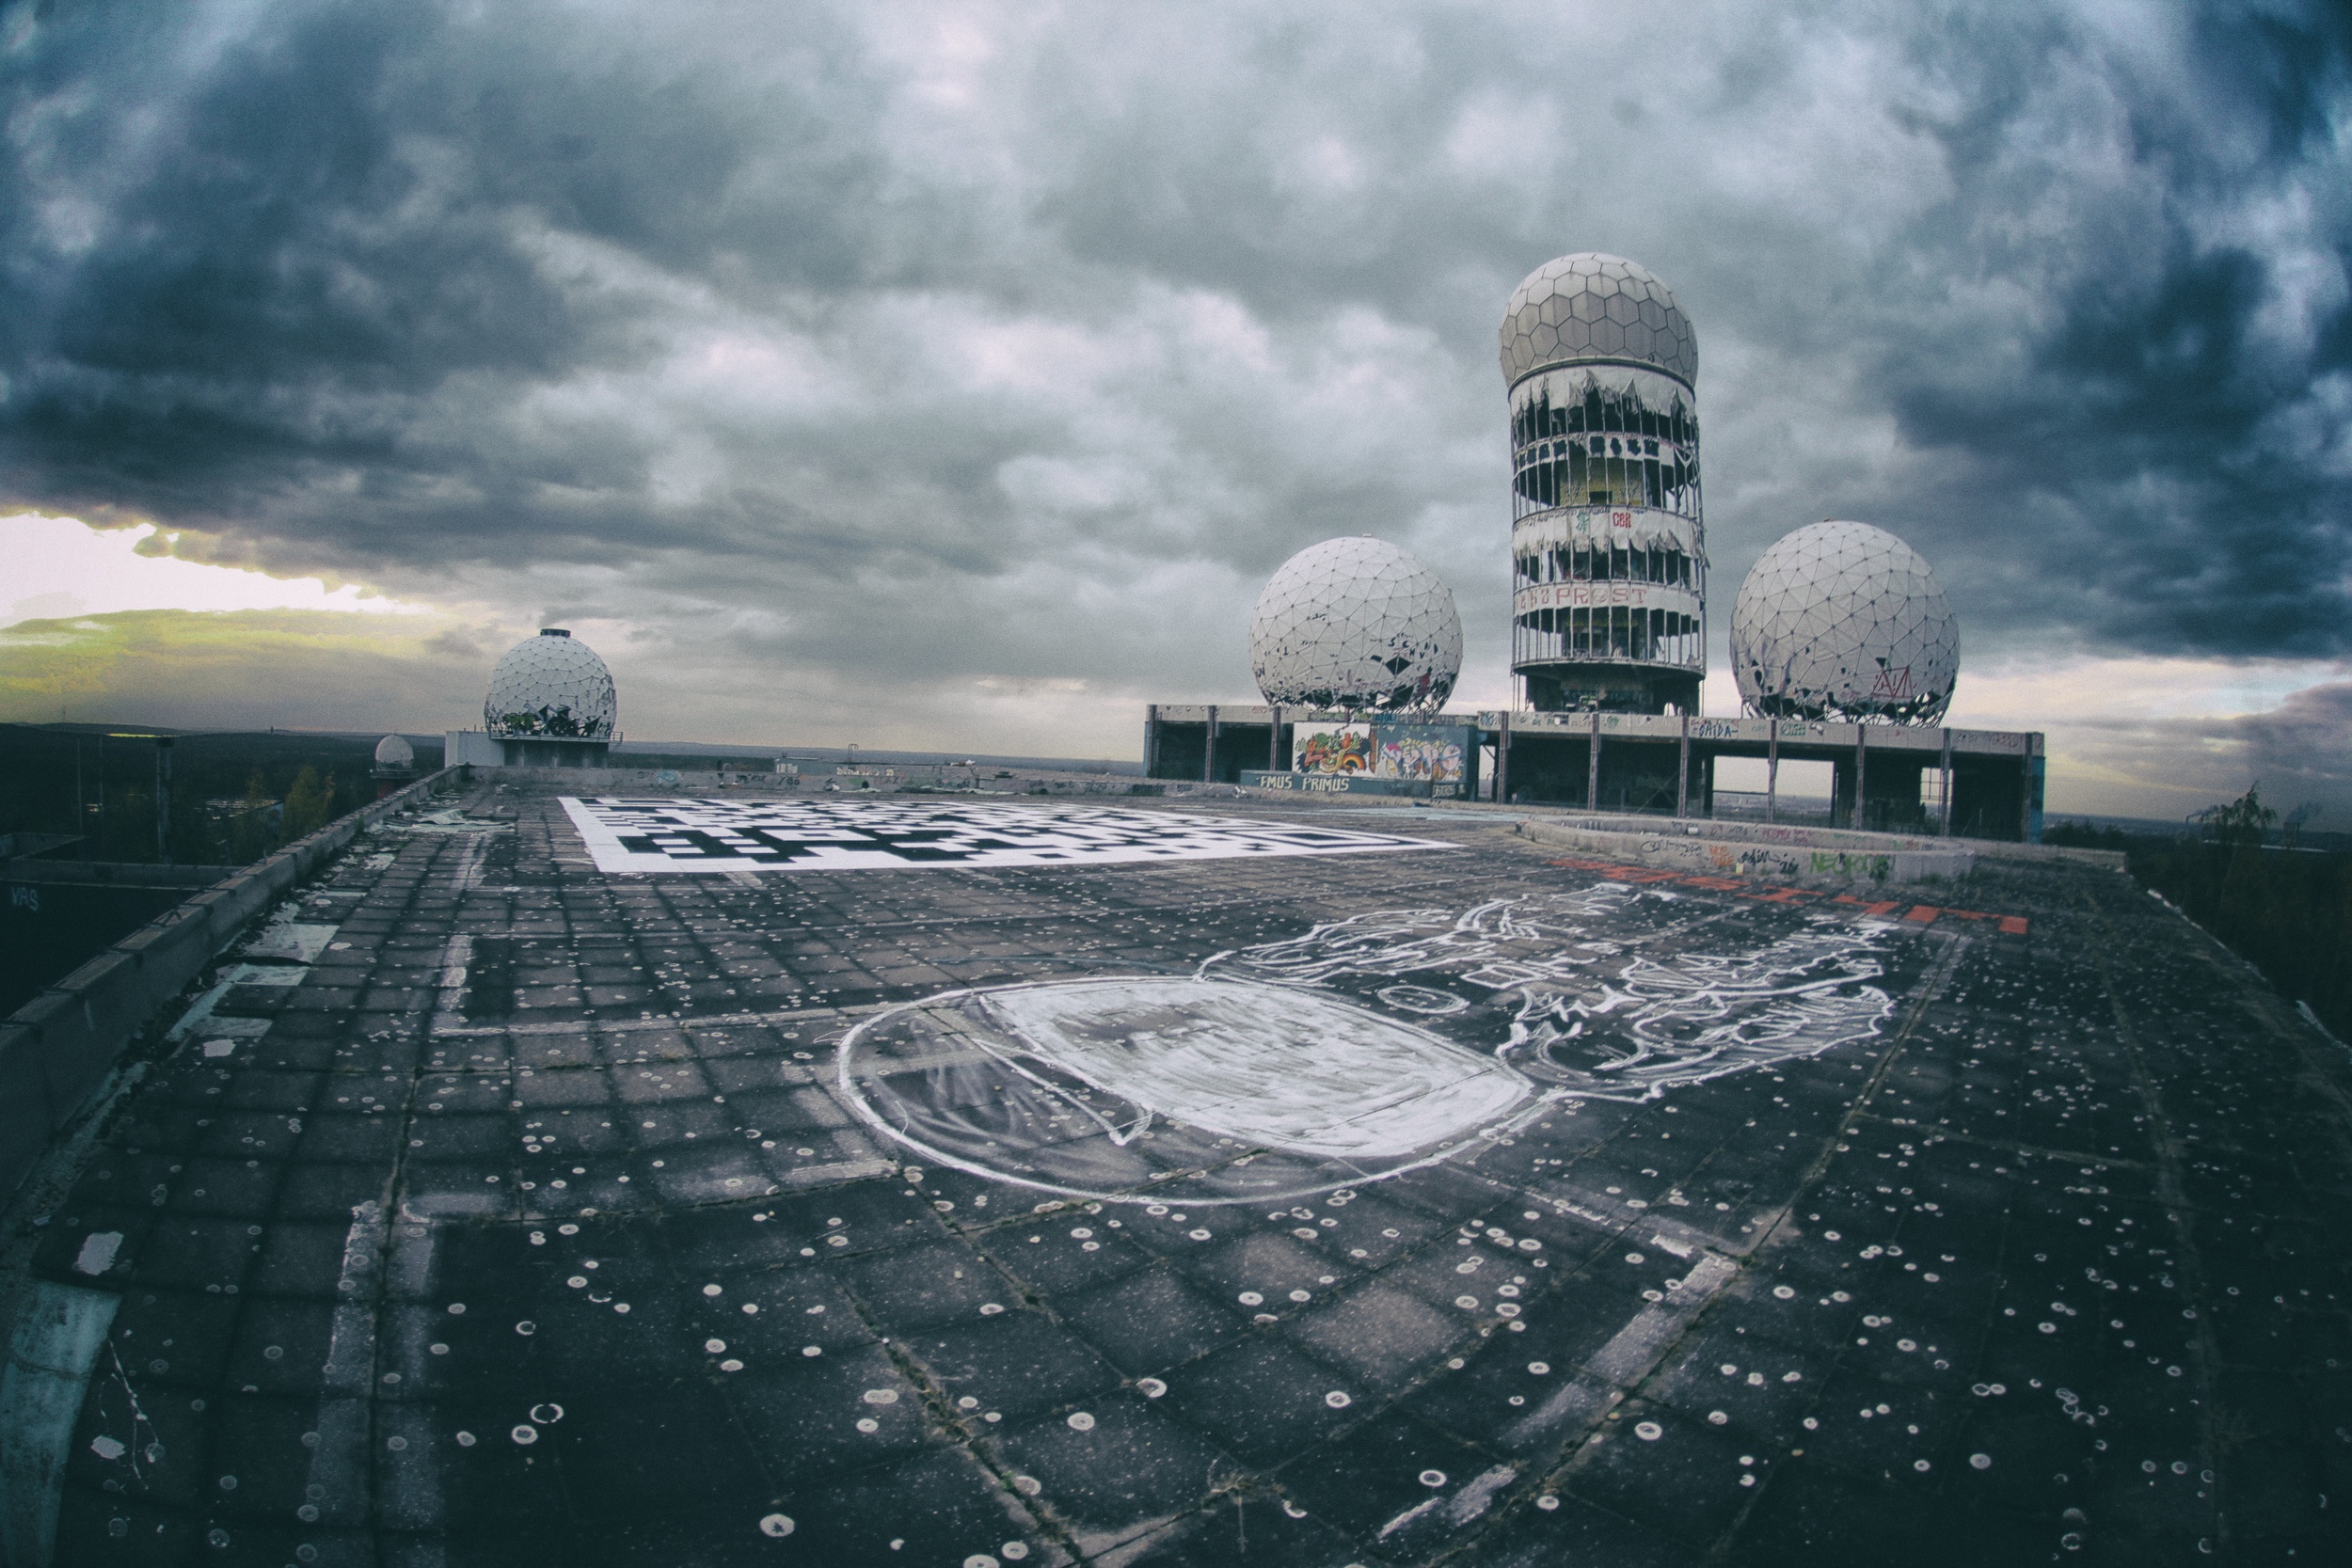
956, 373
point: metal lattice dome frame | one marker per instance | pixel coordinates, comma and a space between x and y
551, 685
1592, 305
1356, 625
1841, 619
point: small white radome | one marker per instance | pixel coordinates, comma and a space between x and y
1841, 619
551, 685
1356, 624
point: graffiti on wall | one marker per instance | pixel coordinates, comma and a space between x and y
1339, 748
1433, 754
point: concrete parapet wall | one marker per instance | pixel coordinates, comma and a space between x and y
1782, 835
760, 783
1774, 862
1347, 783
647, 781
114, 873
58, 1049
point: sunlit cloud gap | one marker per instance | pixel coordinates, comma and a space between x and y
59, 568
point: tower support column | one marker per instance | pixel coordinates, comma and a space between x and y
1592, 767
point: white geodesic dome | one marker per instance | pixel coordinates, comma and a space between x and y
551, 685
1841, 619
1594, 306
394, 754
1356, 624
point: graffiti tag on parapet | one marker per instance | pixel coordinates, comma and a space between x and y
1308, 783
1838, 863
1924, 914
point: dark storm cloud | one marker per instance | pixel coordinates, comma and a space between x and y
2162, 461
310, 253
958, 342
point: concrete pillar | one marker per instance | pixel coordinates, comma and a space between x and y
1592, 767
1861, 793
1274, 741
1152, 740
1947, 784
1682, 771
1772, 768
1208, 750
1503, 761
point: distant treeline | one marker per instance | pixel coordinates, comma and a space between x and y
2285, 908
234, 798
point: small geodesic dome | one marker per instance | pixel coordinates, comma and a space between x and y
1841, 619
394, 754
1356, 624
551, 685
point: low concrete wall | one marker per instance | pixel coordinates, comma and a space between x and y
1347, 783
1787, 836
114, 873
58, 1049
1774, 862
646, 780
757, 784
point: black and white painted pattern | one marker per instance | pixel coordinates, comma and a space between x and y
667, 835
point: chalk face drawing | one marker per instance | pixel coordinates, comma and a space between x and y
1197, 1090
1357, 1051
666, 835
1561, 988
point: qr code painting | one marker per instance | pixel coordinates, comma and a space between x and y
636, 833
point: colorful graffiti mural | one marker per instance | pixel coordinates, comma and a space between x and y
1341, 749
1426, 753
1435, 754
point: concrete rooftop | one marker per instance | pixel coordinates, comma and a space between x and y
494, 1208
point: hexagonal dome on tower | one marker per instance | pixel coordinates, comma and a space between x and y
551, 685
1595, 305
